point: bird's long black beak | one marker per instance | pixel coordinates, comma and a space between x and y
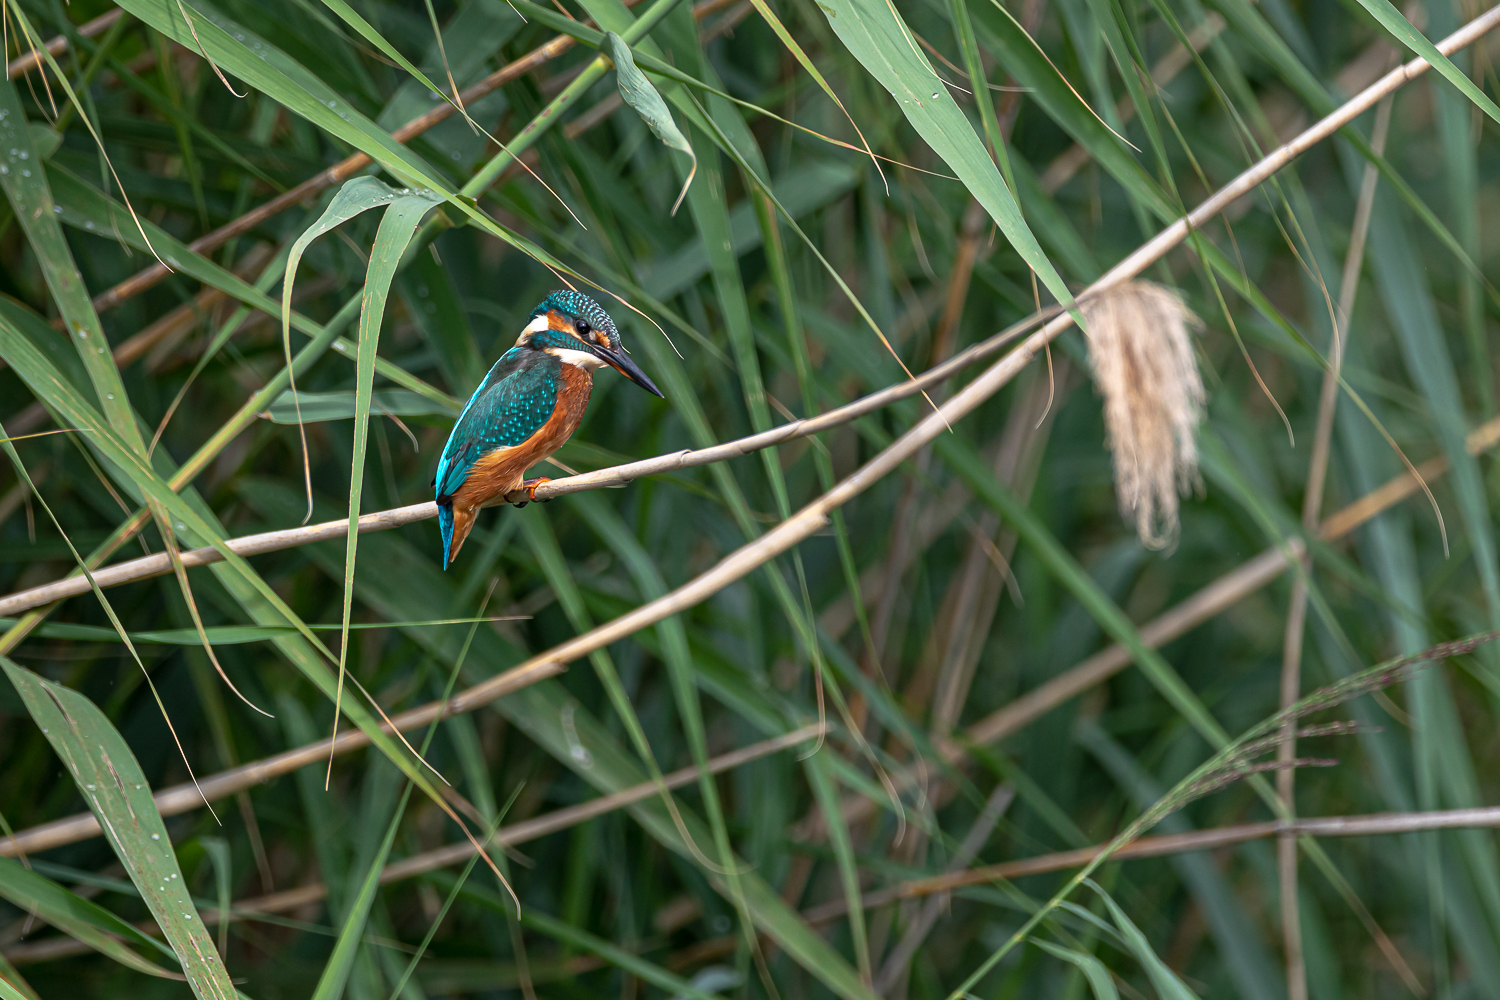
620, 362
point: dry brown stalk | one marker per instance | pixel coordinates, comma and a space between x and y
1370, 825
917, 930
888, 612
1374, 824
56, 46
353, 164
508, 836
975, 594
1312, 507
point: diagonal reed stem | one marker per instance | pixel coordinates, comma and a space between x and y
1233, 586
29, 61
813, 517
272, 541
507, 836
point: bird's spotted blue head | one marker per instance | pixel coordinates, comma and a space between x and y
575, 329
587, 318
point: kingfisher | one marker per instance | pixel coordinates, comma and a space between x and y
526, 408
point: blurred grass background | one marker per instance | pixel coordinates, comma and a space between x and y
924, 607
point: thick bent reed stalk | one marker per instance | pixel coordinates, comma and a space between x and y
814, 516
1211, 600
809, 518
273, 541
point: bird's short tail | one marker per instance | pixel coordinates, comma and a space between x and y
445, 524
456, 523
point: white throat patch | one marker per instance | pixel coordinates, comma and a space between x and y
582, 359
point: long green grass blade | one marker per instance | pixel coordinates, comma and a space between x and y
79, 918
112, 784
397, 227
884, 45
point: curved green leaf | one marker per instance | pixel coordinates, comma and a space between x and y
637, 92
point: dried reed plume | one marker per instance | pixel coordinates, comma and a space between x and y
1153, 399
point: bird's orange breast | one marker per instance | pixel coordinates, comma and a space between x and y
498, 472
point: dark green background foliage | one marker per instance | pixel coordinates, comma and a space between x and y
962, 602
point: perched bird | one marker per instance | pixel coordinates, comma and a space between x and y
525, 409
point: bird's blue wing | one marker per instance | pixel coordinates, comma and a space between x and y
513, 402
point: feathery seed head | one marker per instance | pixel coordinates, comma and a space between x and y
1143, 364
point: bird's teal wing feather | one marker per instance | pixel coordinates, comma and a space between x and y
512, 404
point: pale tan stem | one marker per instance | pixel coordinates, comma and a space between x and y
1374, 824
1312, 506
508, 836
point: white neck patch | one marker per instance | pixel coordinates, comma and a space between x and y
535, 326
582, 359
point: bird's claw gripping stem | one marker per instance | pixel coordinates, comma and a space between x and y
530, 486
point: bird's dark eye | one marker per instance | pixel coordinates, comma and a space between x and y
583, 328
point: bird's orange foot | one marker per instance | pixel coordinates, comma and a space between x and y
530, 486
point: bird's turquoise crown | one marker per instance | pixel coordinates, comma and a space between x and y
579, 306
